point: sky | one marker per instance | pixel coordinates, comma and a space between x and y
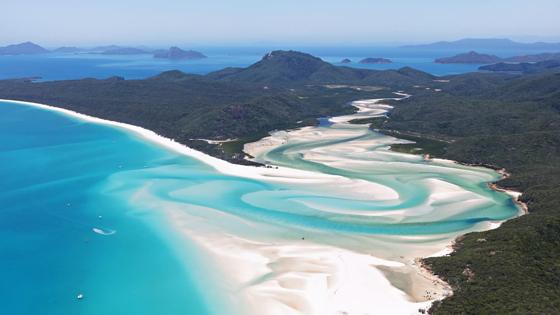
254, 22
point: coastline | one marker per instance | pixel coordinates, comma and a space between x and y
449, 248
280, 174
515, 195
452, 246
423, 267
283, 174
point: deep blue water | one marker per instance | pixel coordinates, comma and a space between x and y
77, 66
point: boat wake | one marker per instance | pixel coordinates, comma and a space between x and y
103, 231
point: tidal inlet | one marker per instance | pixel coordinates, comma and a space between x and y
100, 217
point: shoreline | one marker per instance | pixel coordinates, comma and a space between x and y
496, 186
277, 173
450, 247
423, 267
281, 174
515, 195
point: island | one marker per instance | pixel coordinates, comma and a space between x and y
524, 67
534, 58
27, 48
471, 57
476, 58
375, 61
506, 122
176, 53
346, 60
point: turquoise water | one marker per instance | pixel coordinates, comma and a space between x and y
78, 66
62, 178
51, 197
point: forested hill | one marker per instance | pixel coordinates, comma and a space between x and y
510, 122
291, 68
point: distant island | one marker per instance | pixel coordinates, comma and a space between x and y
27, 48
534, 58
485, 43
524, 67
346, 60
375, 61
471, 57
176, 53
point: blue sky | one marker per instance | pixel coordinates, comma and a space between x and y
243, 22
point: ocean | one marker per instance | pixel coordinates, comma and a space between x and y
78, 66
